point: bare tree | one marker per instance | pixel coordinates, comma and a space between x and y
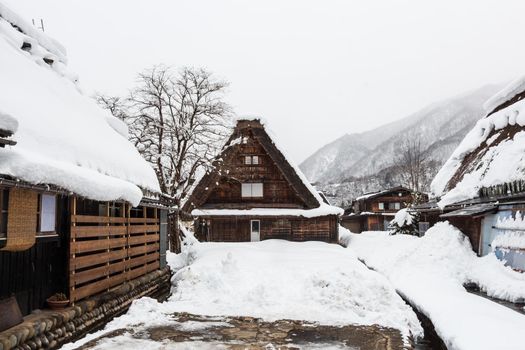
177, 121
414, 166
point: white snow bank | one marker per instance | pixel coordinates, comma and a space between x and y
430, 272
501, 163
8, 123
507, 93
275, 279
63, 137
322, 210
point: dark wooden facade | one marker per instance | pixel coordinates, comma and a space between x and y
374, 211
251, 157
95, 246
238, 229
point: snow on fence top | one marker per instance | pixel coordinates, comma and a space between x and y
494, 157
63, 137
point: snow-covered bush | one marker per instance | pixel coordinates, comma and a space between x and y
405, 222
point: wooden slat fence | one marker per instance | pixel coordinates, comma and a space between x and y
106, 251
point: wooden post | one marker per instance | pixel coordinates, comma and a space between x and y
72, 255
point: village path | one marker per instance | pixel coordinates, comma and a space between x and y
276, 293
430, 272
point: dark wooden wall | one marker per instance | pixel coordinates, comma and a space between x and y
276, 188
35, 274
237, 229
471, 227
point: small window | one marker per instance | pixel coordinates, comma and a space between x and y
48, 204
4, 204
381, 206
397, 205
252, 190
251, 160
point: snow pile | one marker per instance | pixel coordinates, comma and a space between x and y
274, 279
504, 162
63, 137
430, 273
277, 279
402, 218
8, 123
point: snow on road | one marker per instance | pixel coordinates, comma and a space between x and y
275, 279
430, 272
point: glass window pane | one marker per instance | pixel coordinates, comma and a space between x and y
246, 190
48, 213
247, 160
257, 190
255, 160
381, 206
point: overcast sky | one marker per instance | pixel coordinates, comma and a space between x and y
314, 70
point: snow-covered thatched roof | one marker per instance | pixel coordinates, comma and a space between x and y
491, 154
315, 206
63, 137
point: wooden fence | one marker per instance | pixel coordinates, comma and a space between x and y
107, 250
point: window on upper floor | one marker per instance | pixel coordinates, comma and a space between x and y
252, 190
394, 205
251, 160
381, 206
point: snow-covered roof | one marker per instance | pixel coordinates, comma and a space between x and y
315, 203
508, 92
382, 192
492, 153
63, 137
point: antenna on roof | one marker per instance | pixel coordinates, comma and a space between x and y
41, 27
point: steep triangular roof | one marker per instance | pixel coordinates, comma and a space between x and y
295, 178
492, 154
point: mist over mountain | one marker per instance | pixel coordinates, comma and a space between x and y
362, 162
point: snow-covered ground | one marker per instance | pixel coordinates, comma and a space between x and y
430, 272
275, 279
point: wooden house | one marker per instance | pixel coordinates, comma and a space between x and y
253, 192
373, 211
481, 188
81, 210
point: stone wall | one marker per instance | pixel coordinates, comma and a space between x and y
50, 329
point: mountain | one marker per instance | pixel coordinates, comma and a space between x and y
361, 162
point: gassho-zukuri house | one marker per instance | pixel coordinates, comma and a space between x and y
81, 210
481, 188
253, 192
